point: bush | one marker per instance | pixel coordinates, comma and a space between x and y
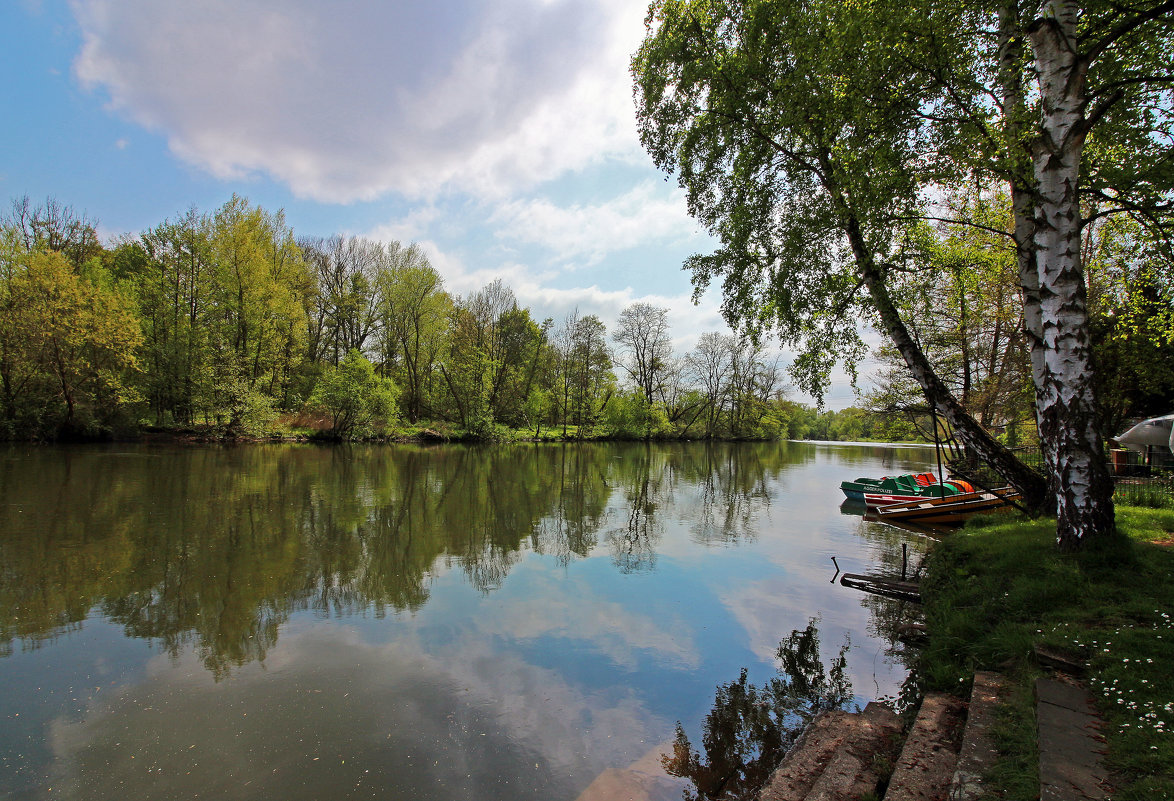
628, 416
359, 402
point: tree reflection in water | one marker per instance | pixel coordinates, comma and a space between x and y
215, 548
750, 727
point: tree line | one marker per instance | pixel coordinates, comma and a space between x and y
228, 320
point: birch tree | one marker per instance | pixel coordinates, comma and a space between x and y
808, 136
800, 135
1069, 104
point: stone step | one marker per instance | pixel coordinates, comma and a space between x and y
839, 756
929, 757
978, 752
1070, 743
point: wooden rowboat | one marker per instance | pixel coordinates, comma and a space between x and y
951, 510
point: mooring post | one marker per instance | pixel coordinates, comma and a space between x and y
904, 558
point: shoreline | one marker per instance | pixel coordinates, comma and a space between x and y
439, 435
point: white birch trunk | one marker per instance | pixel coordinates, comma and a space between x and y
1066, 399
1017, 127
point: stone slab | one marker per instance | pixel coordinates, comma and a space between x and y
1071, 747
847, 774
929, 757
978, 752
1064, 694
838, 744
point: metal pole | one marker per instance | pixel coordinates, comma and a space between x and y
937, 449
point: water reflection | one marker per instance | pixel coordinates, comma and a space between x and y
509, 622
749, 727
216, 547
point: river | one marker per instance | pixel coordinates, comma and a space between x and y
450, 622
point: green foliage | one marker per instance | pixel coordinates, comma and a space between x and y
1131, 305
853, 424
222, 299
768, 113
67, 348
537, 408
239, 323
249, 412
628, 415
413, 312
359, 402
965, 312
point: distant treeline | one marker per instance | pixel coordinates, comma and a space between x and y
230, 324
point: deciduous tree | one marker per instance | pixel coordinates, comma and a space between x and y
809, 134
66, 347
799, 133
358, 401
642, 332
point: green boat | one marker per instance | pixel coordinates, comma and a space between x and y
907, 484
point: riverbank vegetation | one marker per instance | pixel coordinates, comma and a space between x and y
222, 322
226, 324
996, 592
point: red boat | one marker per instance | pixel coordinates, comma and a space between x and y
944, 490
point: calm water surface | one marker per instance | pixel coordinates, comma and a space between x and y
509, 622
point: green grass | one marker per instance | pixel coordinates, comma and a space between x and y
994, 591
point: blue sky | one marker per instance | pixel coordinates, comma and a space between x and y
500, 135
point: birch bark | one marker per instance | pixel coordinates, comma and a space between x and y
1017, 130
1065, 392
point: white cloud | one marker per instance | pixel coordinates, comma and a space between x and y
413, 227
642, 216
371, 710
608, 626
352, 101
535, 289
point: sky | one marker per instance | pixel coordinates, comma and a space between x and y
500, 136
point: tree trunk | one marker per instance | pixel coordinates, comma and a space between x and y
1066, 400
456, 398
1016, 126
1031, 486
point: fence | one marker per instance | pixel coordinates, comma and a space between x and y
1143, 479
1139, 479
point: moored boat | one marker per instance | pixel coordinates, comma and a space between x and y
946, 489
908, 483
952, 510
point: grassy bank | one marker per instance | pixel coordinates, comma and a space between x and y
995, 591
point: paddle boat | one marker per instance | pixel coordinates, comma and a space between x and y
946, 489
949, 511
907, 483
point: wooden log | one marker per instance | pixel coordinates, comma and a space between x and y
883, 586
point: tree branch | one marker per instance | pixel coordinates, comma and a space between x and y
1127, 26
952, 221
